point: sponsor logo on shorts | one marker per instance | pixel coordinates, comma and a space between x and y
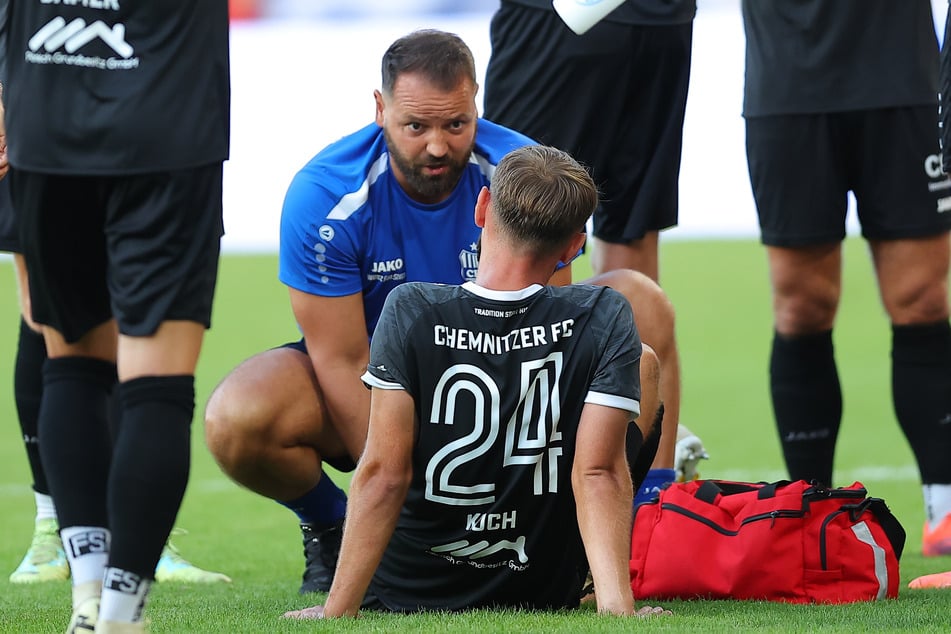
944, 204
60, 42
933, 166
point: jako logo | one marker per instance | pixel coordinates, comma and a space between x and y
388, 266
76, 34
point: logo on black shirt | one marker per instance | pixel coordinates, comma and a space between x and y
59, 42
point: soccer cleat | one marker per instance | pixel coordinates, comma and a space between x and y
172, 567
937, 580
85, 607
45, 559
937, 541
84, 617
321, 550
688, 453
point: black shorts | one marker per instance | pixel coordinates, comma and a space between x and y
9, 234
344, 464
614, 98
802, 168
141, 248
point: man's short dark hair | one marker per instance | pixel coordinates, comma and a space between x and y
443, 58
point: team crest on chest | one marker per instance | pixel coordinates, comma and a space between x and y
469, 262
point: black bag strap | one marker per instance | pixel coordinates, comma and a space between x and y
890, 524
710, 489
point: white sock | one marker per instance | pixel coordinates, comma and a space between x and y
937, 503
87, 549
45, 509
123, 596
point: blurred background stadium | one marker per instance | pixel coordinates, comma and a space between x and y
304, 72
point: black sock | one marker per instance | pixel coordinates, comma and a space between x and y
921, 391
641, 451
807, 403
150, 468
27, 391
74, 441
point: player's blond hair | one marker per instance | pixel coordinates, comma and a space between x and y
542, 197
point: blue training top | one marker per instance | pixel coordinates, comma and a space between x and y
347, 226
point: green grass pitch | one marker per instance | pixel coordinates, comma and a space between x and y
721, 293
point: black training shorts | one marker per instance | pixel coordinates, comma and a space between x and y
9, 235
141, 248
614, 98
803, 166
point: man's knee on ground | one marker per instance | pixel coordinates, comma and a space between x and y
653, 311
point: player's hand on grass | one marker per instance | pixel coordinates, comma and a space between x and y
315, 612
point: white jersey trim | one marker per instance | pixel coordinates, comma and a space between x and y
629, 405
502, 296
377, 382
349, 203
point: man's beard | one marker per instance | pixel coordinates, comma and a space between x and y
429, 187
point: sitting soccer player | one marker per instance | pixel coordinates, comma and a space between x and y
495, 471
388, 204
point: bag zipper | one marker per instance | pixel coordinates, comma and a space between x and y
772, 515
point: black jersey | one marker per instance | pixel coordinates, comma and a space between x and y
812, 56
499, 382
117, 87
644, 12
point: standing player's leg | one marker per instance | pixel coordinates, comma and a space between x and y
45, 560
804, 380
165, 231
802, 229
913, 279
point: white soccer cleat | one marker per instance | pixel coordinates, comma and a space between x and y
687, 454
45, 559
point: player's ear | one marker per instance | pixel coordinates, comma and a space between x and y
571, 251
378, 98
482, 206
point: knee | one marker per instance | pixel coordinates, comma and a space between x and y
653, 311
234, 426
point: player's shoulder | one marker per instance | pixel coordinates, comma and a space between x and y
493, 141
347, 163
335, 182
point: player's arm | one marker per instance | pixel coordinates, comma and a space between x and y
377, 493
336, 335
604, 495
